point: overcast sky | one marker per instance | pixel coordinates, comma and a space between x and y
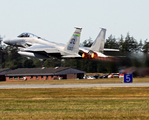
54, 20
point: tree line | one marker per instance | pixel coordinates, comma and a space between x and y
136, 55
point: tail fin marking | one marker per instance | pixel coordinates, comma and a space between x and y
73, 44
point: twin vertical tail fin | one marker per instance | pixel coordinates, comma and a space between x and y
72, 46
99, 42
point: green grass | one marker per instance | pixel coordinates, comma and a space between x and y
75, 103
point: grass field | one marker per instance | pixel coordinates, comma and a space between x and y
75, 103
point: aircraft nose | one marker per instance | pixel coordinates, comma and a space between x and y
7, 41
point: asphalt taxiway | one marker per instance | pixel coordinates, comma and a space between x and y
24, 86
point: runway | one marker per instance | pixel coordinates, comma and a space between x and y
73, 85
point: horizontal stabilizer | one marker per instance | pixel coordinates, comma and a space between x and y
114, 50
101, 54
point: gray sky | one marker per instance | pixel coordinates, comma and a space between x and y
54, 20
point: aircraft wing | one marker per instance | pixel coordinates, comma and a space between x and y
105, 49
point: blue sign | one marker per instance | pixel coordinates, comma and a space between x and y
128, 78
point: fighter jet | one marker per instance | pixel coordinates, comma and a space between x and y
31, 45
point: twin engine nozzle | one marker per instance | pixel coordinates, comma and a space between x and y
89, 56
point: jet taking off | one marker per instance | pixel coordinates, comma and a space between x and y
31, 45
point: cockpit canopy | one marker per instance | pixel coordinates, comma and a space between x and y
28, 35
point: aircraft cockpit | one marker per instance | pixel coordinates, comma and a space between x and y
28, 35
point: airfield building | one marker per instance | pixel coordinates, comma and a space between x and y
44, 74
2, 73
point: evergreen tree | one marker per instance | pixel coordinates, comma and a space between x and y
38, 63
87, 43
11, 58
111, 43
146, 46
130, 44
121, 44
52, 62
28, 63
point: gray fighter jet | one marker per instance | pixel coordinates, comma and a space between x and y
31, 45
